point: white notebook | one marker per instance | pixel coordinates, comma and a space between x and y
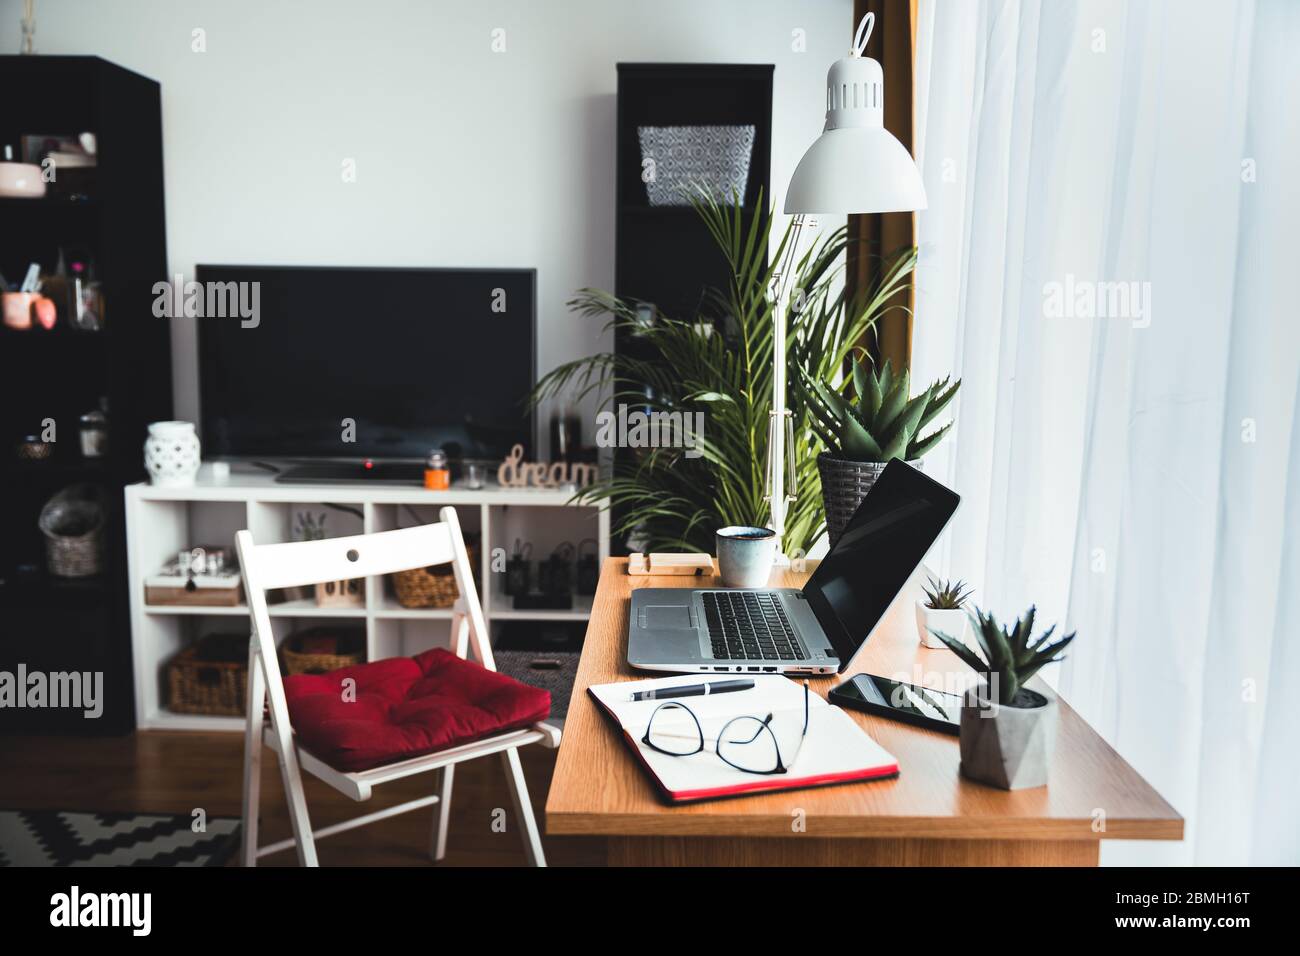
835, 749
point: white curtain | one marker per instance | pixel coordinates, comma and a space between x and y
1109, 262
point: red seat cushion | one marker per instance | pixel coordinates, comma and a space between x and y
405, 707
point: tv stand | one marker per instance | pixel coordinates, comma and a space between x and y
354, 472
160, 521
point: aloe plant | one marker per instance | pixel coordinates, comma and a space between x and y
944, 595
886, 422
1011, 655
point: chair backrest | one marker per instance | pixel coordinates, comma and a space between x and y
269, 566
297, 563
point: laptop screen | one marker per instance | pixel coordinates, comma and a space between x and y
890, 533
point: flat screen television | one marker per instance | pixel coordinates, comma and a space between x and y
365, 363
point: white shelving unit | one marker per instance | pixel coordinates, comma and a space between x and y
162, 521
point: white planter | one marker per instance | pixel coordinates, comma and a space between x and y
952, 621
171, 454
1008, 747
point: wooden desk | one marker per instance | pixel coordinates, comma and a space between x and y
929, 815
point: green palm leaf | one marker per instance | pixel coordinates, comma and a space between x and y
673, 501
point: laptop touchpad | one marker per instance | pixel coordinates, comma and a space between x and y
668, 617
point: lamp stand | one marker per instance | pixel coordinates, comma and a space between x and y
780, 430
854, 166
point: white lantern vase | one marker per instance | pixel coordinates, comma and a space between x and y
171, 454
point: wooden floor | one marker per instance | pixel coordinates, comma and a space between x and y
165, 772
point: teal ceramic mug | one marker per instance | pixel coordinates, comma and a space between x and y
745, 556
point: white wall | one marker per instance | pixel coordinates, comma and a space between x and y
464, 157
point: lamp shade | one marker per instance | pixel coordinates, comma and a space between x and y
856, 165
856, 170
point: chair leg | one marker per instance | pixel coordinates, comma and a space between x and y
459, 634
442, 813
252, 756
523, 807
297, 797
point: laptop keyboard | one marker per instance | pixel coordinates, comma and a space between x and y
750, 625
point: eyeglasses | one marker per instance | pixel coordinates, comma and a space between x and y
748, 743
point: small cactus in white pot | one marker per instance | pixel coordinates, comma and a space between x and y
942, 609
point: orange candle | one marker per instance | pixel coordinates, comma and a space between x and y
437, 476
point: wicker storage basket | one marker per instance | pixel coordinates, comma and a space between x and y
210, 677
844, 484
433, 586
319, 650
73, 525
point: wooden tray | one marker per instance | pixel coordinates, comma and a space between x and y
199, 597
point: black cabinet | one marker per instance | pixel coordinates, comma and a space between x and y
664, 254
113, 222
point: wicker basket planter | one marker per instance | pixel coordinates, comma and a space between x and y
844, 484
433, 586
73, 525
319, 650
210, 677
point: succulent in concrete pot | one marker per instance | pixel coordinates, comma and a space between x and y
1008, 732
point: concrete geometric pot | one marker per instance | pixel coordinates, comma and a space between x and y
1008, 747
950, 620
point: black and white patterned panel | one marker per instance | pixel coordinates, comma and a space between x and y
676, 158
61, 838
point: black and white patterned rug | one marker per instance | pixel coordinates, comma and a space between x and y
63, 838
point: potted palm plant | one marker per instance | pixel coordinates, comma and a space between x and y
718, 362
942, 609
1008, 732
861, 437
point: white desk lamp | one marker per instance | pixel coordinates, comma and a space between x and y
855, 166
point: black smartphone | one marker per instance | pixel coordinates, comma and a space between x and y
932, 709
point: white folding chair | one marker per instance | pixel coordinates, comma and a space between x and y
269, 566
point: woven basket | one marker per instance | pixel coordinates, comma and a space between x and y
433, 586
73, 524
349, 650
844, 484
210, 677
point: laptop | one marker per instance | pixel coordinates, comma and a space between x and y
815, 630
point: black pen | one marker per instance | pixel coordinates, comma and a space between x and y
694, 690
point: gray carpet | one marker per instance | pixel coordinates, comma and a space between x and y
522, 666
66, 838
